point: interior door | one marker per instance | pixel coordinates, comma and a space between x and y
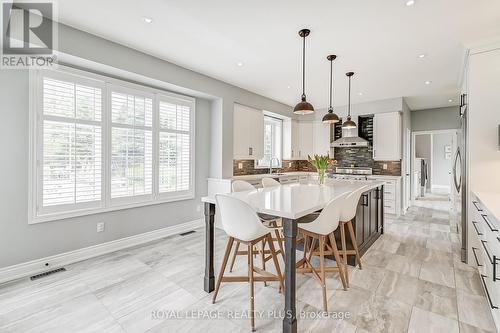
407, 184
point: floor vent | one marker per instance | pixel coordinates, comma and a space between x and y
187, 233
41, 275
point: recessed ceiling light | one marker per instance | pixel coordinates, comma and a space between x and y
410, 3
360, 93
450, 100
288, 87
428, 82
239, 64
423, 55
148, 20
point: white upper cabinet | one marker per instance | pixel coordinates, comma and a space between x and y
248, 133
387, 136
306, 139
321, 138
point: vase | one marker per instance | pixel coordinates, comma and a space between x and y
321, 176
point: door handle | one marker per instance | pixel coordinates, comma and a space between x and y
458, 184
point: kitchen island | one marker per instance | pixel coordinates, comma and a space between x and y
292, 202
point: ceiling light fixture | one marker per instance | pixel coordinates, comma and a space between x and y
349, 124
360, 94
410, 3
428, 82
148, 20
303, 107
450, 100
330, 117
421, 56
240, 64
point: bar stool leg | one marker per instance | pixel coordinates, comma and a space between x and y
322, 267
354, 242
250, 280
223, 266
234, 256
263, 257
341, 266
344, 251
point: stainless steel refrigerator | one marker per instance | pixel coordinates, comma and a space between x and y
459, 188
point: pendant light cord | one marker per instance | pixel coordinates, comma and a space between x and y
349, 105
304, 66
331, 84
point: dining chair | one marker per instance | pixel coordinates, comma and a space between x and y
270, 182
241, 223
347, 215
316, 233
269, 220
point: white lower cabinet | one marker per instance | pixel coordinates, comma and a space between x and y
484, 252
392, 194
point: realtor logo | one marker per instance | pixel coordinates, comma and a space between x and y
28, 34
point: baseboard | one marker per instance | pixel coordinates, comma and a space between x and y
40, 265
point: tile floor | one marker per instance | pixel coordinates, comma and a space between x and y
412, 281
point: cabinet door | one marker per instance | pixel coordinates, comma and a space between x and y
387, 136
321, 138
295, 140
306, 139
248, 133
240, 133
255, 127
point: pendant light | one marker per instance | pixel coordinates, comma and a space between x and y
303, 107
349, 124
330, 117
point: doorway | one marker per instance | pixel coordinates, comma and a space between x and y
432, 162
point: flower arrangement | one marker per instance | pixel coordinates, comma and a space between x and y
321, 163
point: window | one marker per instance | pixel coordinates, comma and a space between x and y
273, 138
103, 144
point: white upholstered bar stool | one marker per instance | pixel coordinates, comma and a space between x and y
271, 221
316, 233
241, 223
347, 214
270, 182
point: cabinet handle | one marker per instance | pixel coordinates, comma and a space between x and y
475, 227
492, 228
487, 292
475, 256
250, 151
475, 203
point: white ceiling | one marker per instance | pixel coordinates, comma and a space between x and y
380, 40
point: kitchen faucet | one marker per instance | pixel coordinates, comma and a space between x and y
271, 164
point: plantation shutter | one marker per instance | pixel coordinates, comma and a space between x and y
70, 165
175, 146
131, 145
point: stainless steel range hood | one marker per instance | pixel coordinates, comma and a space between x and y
350, 138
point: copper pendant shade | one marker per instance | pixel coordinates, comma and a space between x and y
330, 117
349, 124
303, 107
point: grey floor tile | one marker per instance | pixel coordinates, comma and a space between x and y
429, 322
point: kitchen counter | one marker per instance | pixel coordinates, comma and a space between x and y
490, 201
273, 175
384, 177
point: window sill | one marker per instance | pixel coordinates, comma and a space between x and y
94, 211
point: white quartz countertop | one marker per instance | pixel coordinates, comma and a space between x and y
490, 201
297, 200
383, 177
274, 175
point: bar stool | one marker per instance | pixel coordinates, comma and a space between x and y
318, 231
270, 182
270, 221
347, 214
241, 223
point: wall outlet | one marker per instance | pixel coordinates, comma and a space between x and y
384, 166
240, 165
289, 164
100, 227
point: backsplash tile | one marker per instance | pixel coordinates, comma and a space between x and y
346, 157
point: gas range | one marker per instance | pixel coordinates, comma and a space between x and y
351, 173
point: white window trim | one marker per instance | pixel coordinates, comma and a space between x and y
35, 107
280, 165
